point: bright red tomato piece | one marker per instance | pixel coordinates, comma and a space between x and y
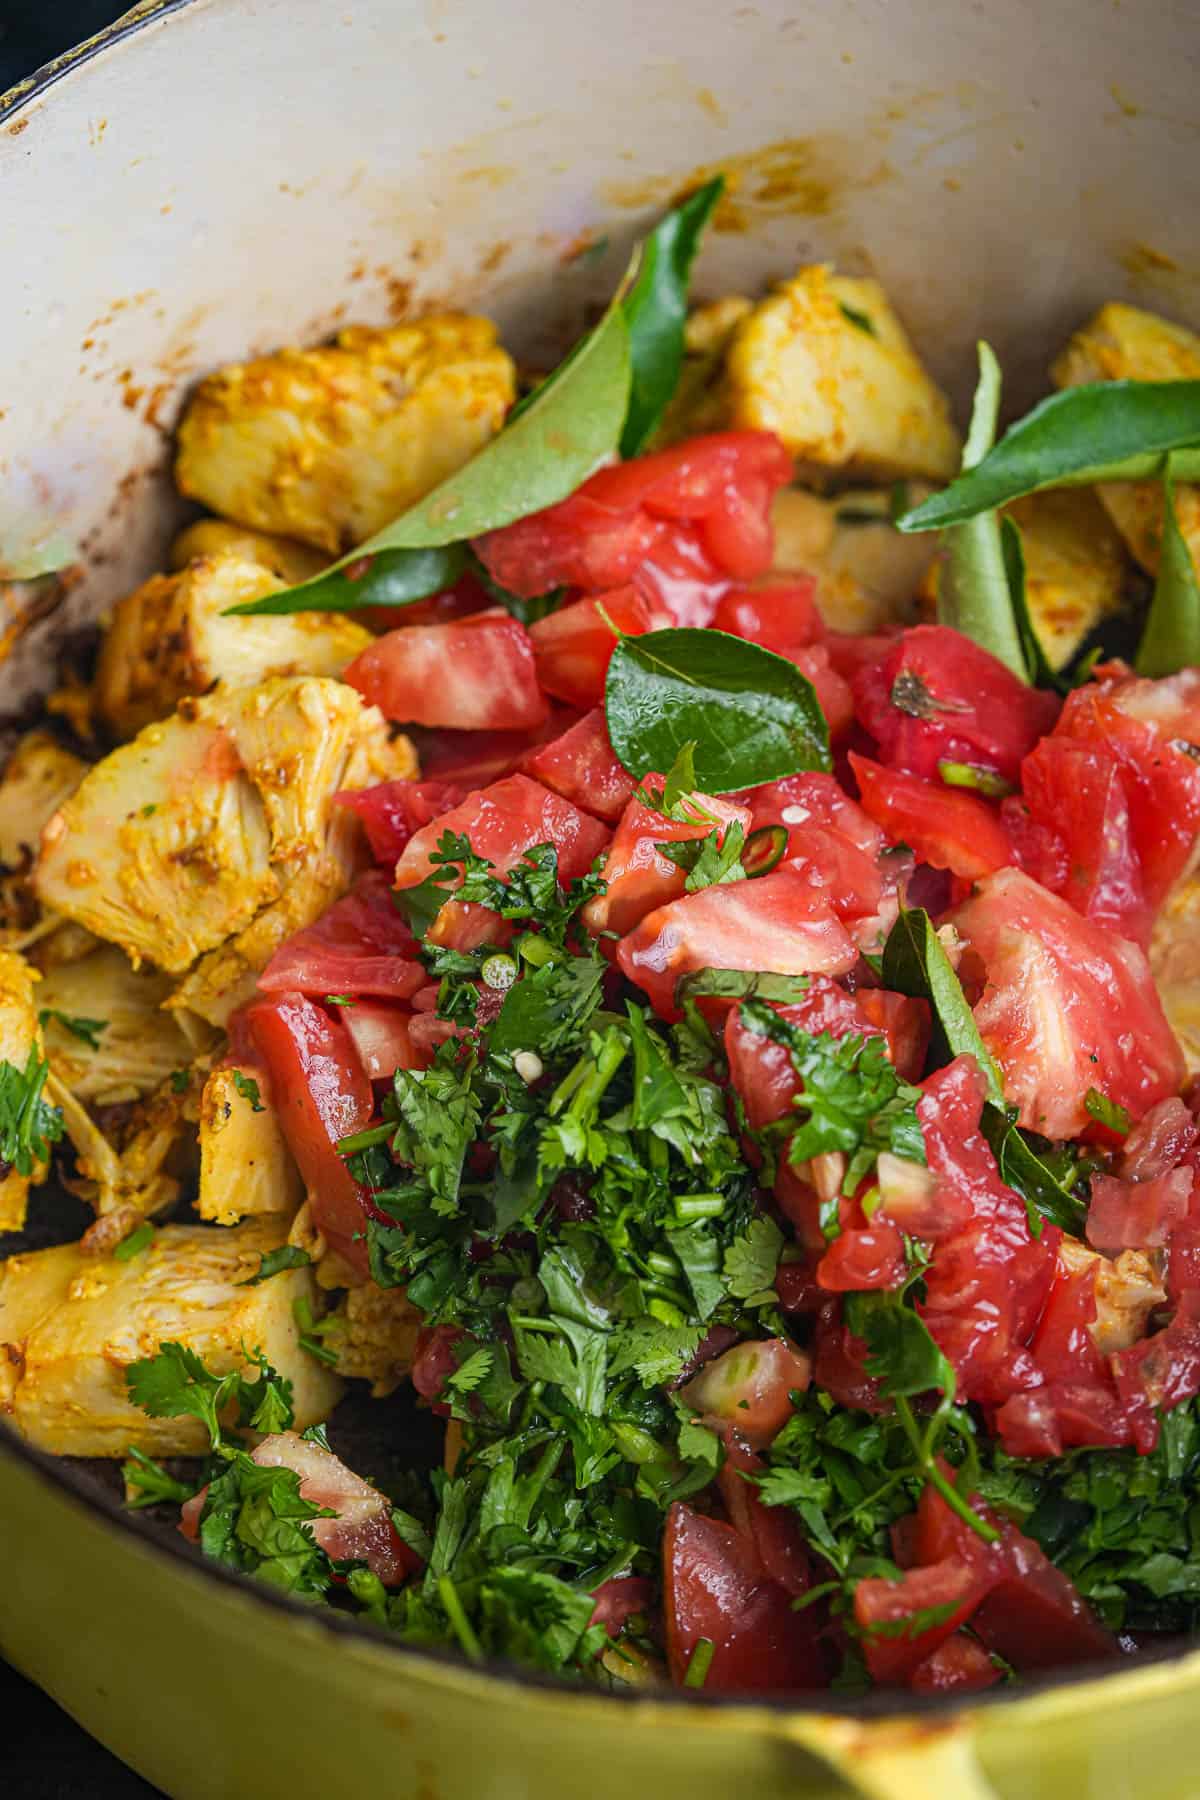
436, 1357
833, 691
582, 766
502, 822
618, 1600
987, 1282
937, 697
781, 616
573, 647
763, 1072
889, 1614
464, 925
774, 1531
1137, 1215
681, 524
321, 1094
392, 811
359, 946
1162, 1138
904, 1022
1065, 1005
945, 827
474, 674
779, 923
748, 1388
864, 1257
714, 1587
473, 759
960, 1665
380, 1034
637, 875
839, 1363
838, 847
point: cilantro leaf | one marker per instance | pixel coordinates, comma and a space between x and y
87, 1030
752, 1259
247, 1087
1109, 1113
709, 861
28, 1124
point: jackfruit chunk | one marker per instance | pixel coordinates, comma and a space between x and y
868, 573
328, 445
71, 1325
37, 778
373, 1334
825, 363
1124, 343
171, 637
1075, 566
290, 561
137, 1045
19, 1035
246, 1167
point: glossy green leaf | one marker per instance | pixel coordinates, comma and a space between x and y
1103, 431
915, 963
656, 311
1171, 639
751, 714
1037, 664
973, 592
390, 578
548, 447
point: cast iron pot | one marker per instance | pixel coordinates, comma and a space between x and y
210, 178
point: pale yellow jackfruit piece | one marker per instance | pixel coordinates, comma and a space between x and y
825, 363
131, 1176
698, 403
1125, 343
329, 445
175, 843
70, 1325
1075, 566
137, 1047
246, 1167
1127, 1292
373, 1333
868, 573
19, 1034
171, 637
1175, 962
290, 561
38, 776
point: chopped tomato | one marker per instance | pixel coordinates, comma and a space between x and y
903, 1620
987, 1282
321, 1094
572, 647
1033, 1615
839, 1363
841, 850
864, 1257
393, 810
436, 1358
780, 923
680, 524
960, 1665
617, 1601
472, 759
762, 1070
638, 877
937, 697
475, 674
851, 651
905, 1023
502, 822
1137, 1215
360, 945
582, 766
464, 925
781, 616
1161, 1371
773, 1530
1162, 1138
834, 696
749, 1388
1065, 1005
945, 827
714, 1587
380, 1034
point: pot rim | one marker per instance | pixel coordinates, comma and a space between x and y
879, 1705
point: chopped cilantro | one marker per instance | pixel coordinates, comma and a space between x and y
1109, 1113
87, 1030
28, 1124
247, 1087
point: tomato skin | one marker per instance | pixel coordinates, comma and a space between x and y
762, 1071
960, 1665
475, 674
831, 838
1137, 1215
502, 822
708, 498
714, 1587
779, 923
638, 876
945, 827
905, 1023
748, 1388
882, 1607
360, 945
1077, 791
573, 647
774, 1531
619, 1599
581, 765
833, 692
321, 1094
781, 616
1062, 1345
960, 704
1066, 1005
864, 1258
380, 1033
393, 810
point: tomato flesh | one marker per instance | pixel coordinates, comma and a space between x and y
582, 766
572, 647
501, 823
359, 946
749, 1387
945, 827
393, 810
637, 876
475, 674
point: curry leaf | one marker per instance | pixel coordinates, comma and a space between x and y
752, 715
1171, 639
915, 963
548, 447
656, 310
1101, 431
1037, 664
973, 592
389, 578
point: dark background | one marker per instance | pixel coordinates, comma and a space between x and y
46, 1756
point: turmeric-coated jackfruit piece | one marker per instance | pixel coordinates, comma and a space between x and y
328, 445
19, 1035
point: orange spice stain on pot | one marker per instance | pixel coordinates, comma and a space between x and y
804, 177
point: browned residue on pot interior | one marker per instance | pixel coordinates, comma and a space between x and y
803, 177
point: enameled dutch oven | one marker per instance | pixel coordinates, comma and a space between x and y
210, 178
